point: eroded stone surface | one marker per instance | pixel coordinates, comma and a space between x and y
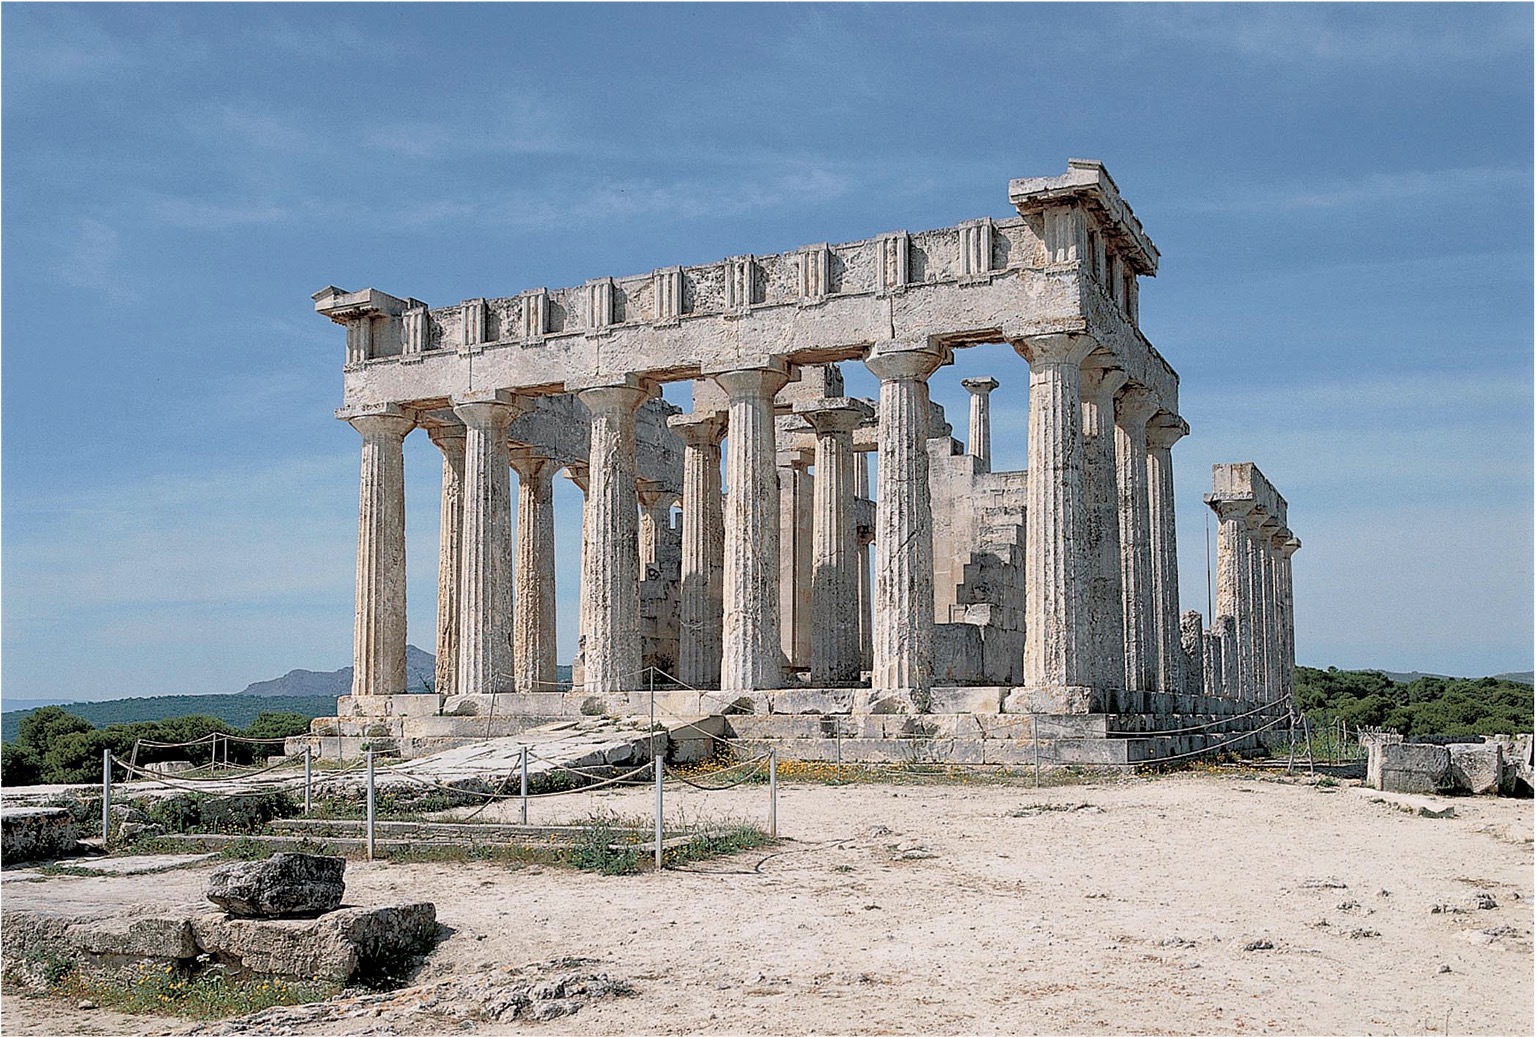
285, 885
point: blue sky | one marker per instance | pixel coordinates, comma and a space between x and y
1342, 196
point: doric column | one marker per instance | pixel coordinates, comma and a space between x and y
576, 471
902, 666
795, 508
699, 599
485, 567
610, 572
835, 644
450, 440
979, 432
865, 537
1133, 408
1058, 648
379, 619
1102, 532
1192, 646
1233, 592
655, 516
1162, 433
1257, 654
533, 630
750, 653
1286, 546
1268, 613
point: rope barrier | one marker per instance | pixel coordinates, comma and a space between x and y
1167, 759
744, 779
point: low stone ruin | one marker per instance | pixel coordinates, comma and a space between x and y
1497, 765
36, 833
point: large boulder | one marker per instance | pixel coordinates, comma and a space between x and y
1477, 767
36, 833
285, 885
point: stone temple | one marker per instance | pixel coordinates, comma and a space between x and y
978, 613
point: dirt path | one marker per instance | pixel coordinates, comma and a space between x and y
1114, 908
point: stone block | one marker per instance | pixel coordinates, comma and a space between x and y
413, 705
1477, 768
726, 703
371, 705
36, 833
1093, 725
966, 700
133, 937
442, 727
1405, 767
812, 700
957, 653
1052, 699
336, 946
285, 885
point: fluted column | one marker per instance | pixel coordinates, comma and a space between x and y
485, 567
1133, 408
1058, 646
1192, 646
1233, 592
1162, 433
533, 629
835, 644
450, 440
1102, 533
795, 508
655, 516
750, 652
1268, 618
865, 537
379, 617
699, 598
979, 431
577, 473
1255, 652
610, 572
1286, 546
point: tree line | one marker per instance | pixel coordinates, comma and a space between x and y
56, 747
1424, 706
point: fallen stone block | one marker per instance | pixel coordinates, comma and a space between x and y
1406, 767
36, 833
1477, 768
286, 885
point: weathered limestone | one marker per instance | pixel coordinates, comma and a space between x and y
902, 668
1286, 546
379, 627
795, 555
285, 885
1102, 534
699, 629
533, 631
750, 654
610, 571
485, 571
1162, 433
450, 440
36, 833
1192, 647
979, 430
1058, 644
1233, 590
1133, 407
835, 647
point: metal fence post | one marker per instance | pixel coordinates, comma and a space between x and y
307, 800
369, 834
523, 766
1035, 744
773, 794
106, 796
658, 766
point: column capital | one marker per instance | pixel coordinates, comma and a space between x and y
752, 382
447, 437
1100, 384
613, 398
492, 409
1166, 429
1046, 350
527, 461
979, 386
651, 493
1263, 525
1134, 405
1229, 510
834, 414
912, 364
387, 422
1291, 545
579, 473
699, 428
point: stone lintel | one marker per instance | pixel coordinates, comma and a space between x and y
371, 410
487, 396
1086, 182
343, 306
611, 381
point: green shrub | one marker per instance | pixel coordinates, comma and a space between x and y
19, 765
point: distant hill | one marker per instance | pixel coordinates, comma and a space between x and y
1411, 676
1523, 677
9, 704
235, 710
420, 667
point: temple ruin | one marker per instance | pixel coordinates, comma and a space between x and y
983, 612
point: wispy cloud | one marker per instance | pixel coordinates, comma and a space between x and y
1367, 192
89, 255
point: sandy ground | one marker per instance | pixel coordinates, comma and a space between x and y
1124, 907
